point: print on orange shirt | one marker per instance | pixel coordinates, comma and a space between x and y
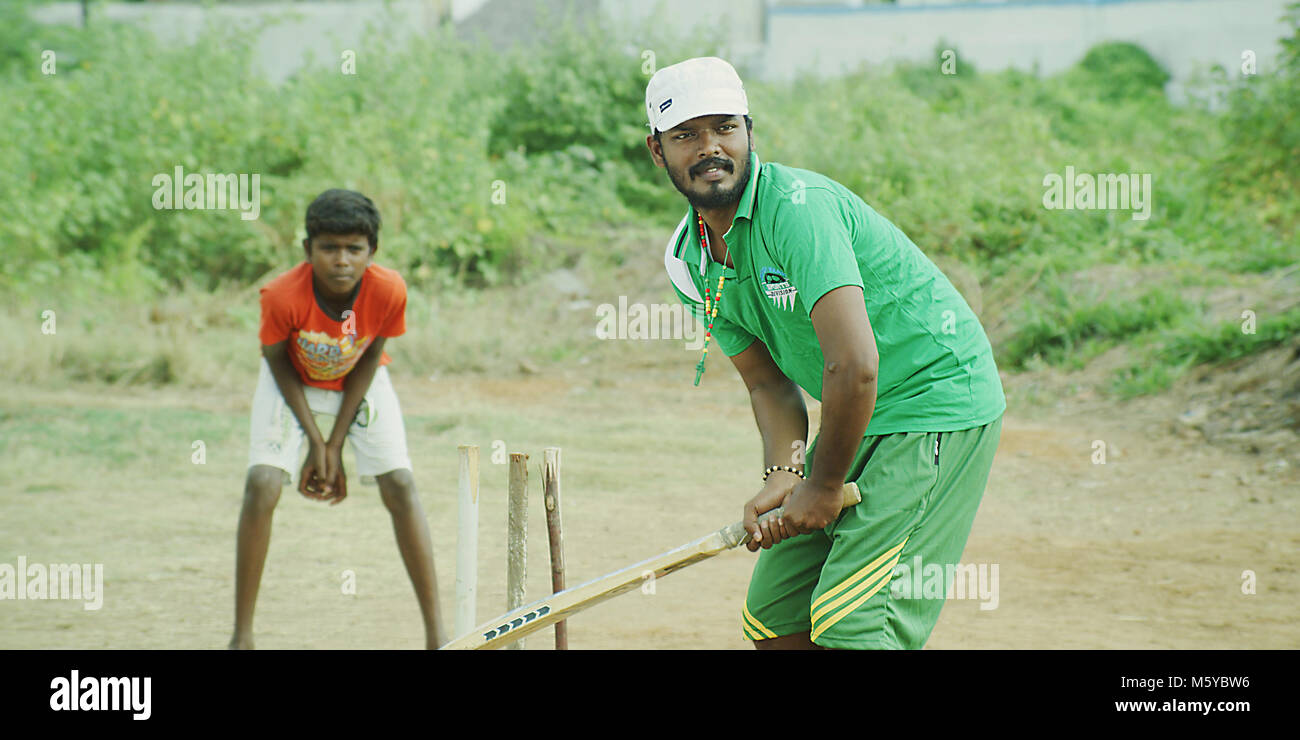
327, 358
321, 350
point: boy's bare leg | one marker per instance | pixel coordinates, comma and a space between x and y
261, 493
416, 545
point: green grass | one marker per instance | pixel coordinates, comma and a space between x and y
1231, 340
956, 162
116, 439
1074, 324
1146, 379
1165, 362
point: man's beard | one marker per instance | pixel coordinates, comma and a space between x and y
713, 197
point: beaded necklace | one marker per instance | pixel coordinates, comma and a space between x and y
710, 305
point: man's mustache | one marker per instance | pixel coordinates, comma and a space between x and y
721, 164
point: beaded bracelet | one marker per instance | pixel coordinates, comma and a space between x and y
786, 468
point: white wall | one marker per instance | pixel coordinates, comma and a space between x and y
737, 24
280, 49
1054, 34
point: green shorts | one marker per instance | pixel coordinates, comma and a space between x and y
920, 491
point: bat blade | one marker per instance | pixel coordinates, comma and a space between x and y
544, 612
529, 618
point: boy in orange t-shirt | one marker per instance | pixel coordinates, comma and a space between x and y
324, 324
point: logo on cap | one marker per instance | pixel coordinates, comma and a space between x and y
696, 87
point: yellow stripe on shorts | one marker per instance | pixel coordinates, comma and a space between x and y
853, 578
757, 624
881, 575
817, 631
863, 579
750, 632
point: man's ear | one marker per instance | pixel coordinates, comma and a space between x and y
306, 247
656, 150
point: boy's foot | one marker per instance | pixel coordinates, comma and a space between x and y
240, 643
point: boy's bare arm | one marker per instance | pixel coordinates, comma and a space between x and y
286, 377
355, 386
290, 385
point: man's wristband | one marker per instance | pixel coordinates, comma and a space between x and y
786, 468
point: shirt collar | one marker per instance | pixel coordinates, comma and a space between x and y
744, 210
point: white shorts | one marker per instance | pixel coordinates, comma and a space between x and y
377, 435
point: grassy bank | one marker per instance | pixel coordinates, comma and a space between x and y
486, 184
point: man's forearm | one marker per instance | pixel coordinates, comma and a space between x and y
782, 420
286, 377
848, 399
355, 386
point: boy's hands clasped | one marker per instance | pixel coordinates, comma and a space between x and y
323, 477
808, 507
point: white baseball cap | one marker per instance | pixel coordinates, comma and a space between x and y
702, 86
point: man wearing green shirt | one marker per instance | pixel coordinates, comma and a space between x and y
813, 289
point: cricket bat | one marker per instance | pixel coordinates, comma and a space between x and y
529, 618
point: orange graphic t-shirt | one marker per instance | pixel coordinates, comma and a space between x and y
323, 350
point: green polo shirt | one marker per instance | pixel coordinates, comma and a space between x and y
798, 235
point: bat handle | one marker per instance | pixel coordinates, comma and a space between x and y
736, 535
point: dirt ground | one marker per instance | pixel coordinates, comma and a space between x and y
1154, 548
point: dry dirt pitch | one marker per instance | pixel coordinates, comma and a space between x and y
1145, 551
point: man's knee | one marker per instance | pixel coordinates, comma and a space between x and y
262, 489
397, 488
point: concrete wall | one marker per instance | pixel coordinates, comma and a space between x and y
777, 41
282, 47
1052, 34
737, 24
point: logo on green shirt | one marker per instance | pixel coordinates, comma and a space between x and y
778, 288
